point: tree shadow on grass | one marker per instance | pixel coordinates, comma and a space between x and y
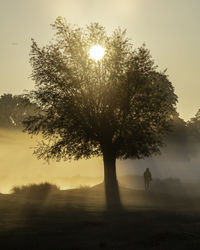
76, 219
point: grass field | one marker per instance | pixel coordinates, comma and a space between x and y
77, 219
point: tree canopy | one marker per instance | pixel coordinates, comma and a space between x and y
122, 104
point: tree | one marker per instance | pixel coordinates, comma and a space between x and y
178, 144
118, 107
193, 126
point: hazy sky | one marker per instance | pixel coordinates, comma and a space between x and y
170, 29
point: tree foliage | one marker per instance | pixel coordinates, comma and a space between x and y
194, 126
122, 104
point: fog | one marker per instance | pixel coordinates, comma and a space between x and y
18, 165
166, 166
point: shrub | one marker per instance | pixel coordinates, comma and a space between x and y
38, 191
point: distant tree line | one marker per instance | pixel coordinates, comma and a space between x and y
183, 138
13, 110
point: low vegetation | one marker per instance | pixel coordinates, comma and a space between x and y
36, 191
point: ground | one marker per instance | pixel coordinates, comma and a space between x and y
77, 219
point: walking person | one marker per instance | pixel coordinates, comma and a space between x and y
147, 179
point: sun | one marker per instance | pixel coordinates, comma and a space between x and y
97, 52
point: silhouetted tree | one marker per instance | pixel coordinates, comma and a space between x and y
119, 107
177, 142
193, 126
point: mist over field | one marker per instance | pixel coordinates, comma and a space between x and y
18, 166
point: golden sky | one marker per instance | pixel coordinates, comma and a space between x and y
170, 29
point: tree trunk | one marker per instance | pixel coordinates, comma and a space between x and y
110, 182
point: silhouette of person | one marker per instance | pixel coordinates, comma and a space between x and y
147, 178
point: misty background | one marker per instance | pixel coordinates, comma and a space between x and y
177, 165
